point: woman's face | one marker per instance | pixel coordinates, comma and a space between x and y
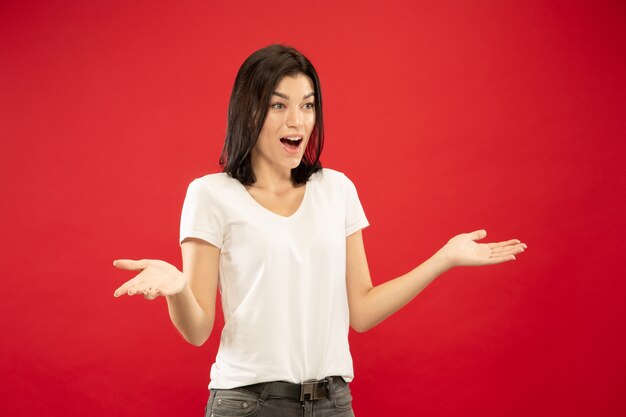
291, 114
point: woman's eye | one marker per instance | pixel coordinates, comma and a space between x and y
278, 105
309, 106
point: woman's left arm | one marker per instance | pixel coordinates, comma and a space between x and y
371, 305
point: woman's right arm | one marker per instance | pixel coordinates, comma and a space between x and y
193, 309
190, 294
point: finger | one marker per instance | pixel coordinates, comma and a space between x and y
123, 289
130, 264
143, 288
511, 251
151, 294
518, 248
504, 243
478, 234
499, 259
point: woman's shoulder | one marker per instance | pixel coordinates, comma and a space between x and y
215, 179
214, 183
330, 173
333, 179
333, 175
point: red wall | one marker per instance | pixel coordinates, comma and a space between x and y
448, 116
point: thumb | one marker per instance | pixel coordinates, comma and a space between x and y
130, 264
478, 234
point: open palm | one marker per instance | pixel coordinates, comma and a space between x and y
157, 278
462, 250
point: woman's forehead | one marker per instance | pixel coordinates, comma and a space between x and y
295, 83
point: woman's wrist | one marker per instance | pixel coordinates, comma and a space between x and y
442, 260
185, 289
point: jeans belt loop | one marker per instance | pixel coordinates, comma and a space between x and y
331, 388
265, 392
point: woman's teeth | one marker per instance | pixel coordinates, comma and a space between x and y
291, 141
291, 145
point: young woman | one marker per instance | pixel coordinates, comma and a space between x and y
280, 236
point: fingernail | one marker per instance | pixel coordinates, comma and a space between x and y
114, 294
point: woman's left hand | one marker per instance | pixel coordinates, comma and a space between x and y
462, 250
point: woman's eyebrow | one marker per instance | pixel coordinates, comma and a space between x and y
286, 97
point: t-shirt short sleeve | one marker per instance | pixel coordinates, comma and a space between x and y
201, 217
355, 216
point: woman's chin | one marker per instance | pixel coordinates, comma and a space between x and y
294, 162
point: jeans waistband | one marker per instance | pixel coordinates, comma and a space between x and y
306, 391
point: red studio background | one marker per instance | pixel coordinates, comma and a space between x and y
448, 116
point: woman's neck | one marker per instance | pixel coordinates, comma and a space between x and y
271, 179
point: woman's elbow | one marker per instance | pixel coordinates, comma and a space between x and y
197, 342
198, 339
359, 327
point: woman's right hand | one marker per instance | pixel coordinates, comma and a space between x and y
156, 278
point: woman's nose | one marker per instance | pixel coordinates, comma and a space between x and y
294, 118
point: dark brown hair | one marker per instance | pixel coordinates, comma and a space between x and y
256, 79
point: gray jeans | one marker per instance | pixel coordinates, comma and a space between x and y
239, 402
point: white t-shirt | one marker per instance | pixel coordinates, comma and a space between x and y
282, 279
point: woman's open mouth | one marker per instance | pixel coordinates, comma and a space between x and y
291, 145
